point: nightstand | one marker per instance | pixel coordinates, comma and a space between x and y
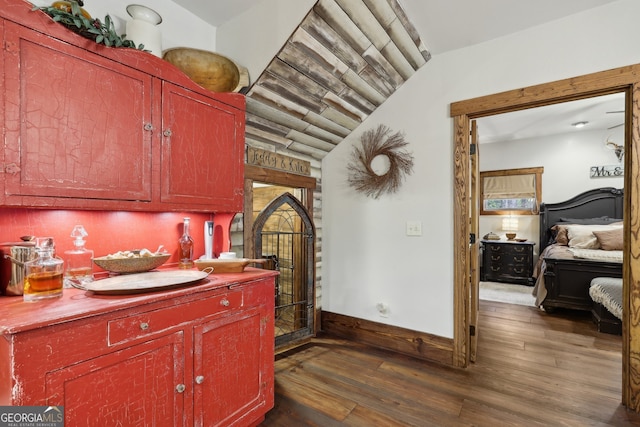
507, 261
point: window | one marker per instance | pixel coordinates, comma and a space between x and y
514, 191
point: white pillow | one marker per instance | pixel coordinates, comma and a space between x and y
582, 237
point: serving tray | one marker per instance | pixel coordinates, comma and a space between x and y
144, 282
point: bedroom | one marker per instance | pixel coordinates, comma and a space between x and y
515, 141
524, 139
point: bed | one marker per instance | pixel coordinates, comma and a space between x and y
576, 246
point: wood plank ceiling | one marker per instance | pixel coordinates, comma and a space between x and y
342, 62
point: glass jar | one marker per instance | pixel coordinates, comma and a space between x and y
186, 247
78, 261
43, 275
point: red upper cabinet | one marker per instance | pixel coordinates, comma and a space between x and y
202, 148
91, 127
74, 124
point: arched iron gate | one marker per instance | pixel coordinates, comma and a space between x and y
284, 233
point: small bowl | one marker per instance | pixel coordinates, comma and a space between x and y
227, 255
131, 265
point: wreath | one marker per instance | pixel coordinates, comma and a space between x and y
379, 142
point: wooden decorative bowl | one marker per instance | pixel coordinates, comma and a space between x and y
208, 69
233, 265
131, 265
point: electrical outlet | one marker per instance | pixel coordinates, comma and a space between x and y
383, 309
414, 228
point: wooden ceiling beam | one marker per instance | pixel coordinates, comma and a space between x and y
342, 62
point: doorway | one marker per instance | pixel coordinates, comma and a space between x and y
284, 234
619, 80
278, 226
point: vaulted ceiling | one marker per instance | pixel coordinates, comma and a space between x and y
348, 56
343, 61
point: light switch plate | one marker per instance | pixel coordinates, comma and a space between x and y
414, 228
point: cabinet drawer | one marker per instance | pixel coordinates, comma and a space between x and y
509, 258
518, 270
509, 249
517, 250
153, 322
493, 248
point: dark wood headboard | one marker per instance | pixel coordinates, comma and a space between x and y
607, 201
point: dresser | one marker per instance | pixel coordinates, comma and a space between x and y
507, 261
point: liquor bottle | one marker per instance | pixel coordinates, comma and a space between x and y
43, 275
79, 260
186, 247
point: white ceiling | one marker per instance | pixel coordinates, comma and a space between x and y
217, 12
453, 24
440, 23
602, 114
443, 28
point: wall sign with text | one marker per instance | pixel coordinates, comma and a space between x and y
268, 159
609, 171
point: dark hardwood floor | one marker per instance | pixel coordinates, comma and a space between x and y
533, 369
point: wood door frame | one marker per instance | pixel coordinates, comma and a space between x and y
271, 176
474, 244
623, 79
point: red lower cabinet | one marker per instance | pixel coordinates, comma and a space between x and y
197, 356
236, 392
133, 387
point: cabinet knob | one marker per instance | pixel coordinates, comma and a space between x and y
180, 388
144, 326
224, 302
148, 126
199, 379
11, 169
167, 133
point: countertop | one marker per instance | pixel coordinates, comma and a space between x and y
19, 316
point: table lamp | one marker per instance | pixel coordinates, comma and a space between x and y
510, 225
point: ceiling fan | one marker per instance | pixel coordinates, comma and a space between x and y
616, 126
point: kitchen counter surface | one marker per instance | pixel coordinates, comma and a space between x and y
19, 316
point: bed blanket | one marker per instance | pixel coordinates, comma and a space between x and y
597, 254
608, 292
551, 251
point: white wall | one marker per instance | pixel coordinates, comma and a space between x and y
179, 27
566, 158
367, 258
253, 38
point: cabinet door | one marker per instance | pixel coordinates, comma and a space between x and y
133, 387
75, 125
228, 370
202, 151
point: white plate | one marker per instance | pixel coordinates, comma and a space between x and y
144, 282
